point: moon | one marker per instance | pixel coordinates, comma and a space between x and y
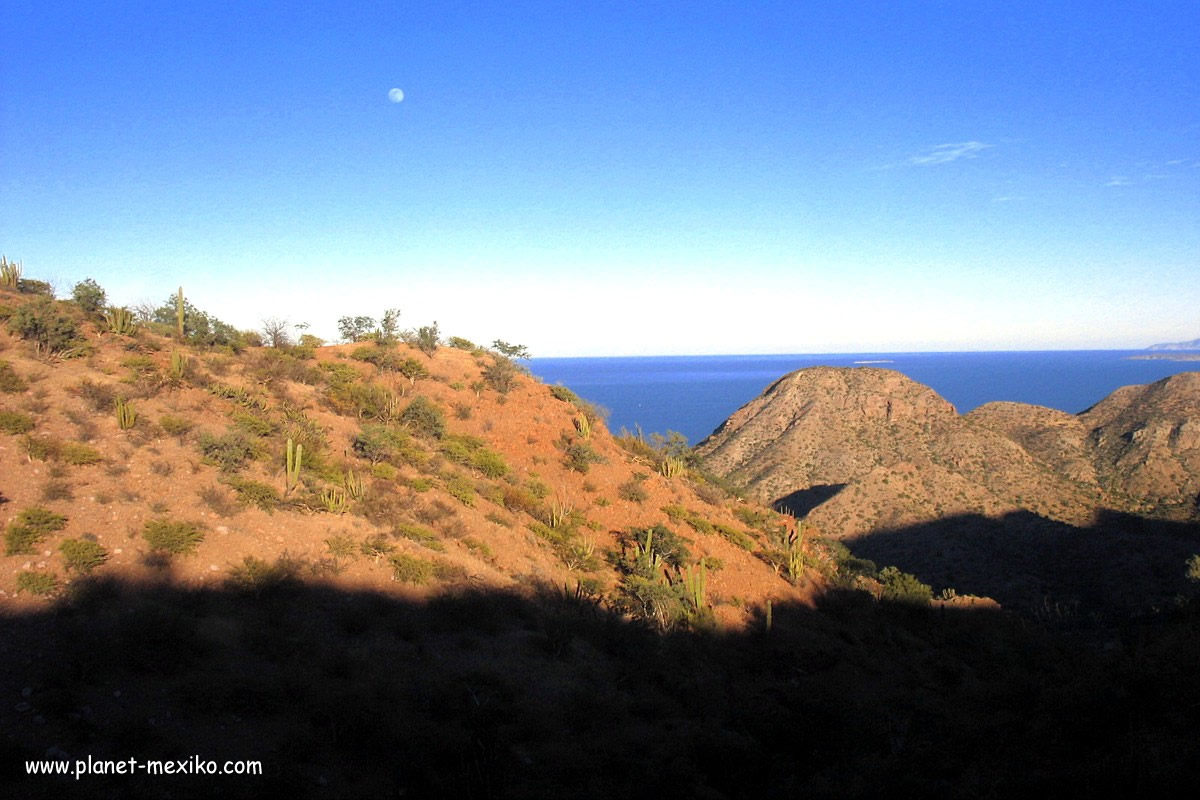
395, 95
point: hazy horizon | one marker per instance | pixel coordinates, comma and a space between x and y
608, 180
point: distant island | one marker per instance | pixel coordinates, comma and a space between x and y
1166, 357
1194, 344
1172, 351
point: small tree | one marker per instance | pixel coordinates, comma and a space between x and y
89, 296
427, 339
501, 374
356, 329
389, 327
275, 332
511, 350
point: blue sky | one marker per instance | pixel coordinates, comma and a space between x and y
618, 177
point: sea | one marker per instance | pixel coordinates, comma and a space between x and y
695, 394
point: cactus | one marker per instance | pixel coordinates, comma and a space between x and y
295, 454
126, 414
10, 273
769, 616
695, 582
795, 553
334, 500
560, 510
649, 560
354, 485
583, 425
179, 313
179, 365
120, 321
671, 467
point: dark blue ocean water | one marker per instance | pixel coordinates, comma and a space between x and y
694, 394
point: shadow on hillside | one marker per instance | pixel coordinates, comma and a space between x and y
1121, 564
491, 694
802, 501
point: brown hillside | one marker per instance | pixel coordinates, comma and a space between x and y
833, 427
512, 493
1024, 504
1145, 442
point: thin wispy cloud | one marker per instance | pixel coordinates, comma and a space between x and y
1119, 180
947, 153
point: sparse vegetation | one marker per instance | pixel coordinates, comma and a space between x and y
82, 555
10, 381
175, 538
36, 582
14, 422
29, 528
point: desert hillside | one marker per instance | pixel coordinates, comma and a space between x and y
416, 466
882, 462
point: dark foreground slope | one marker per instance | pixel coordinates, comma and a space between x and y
494, 694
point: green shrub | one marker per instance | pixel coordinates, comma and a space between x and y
459, 343
15, 422
41, 448
408, 569
382, 443
420, 484
501, 374
470, 451
632, 490
229, 452
256, 575
517, 499
902, 587
89, 296
421, 535
362, 400
384, 471
426, 339
177, 538
461, 489
257, 425
10, 381
254, 493
41, 322
79, 454
425, 418
29, 528
663, 542
100, 396
199, 328
175, 426
82, 555
734, 536
579, 457
37, 583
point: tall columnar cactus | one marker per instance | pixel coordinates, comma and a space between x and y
769, 616
10, 273
583, 425
120, 321
126, 414
295, 454
695, 582
179, 313
334, 500
672, 467
179, 365
354, 486
795, 553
